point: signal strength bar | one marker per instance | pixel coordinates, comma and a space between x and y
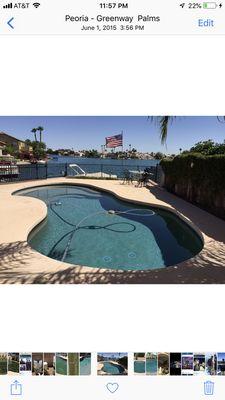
9, 5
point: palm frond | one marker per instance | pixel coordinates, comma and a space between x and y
163, 123
221, 119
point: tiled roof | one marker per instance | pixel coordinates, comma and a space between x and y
11, 137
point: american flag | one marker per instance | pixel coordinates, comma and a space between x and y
114, 141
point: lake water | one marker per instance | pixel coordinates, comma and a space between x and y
99, 167
113, 168
103, 161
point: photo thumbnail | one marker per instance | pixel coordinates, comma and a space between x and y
175, 363
199, 364
25, 363
13, 363
211, 363
221, 363
163, 363
37, 363
49, 363
187, 364
139, 363
3, 364
112, 364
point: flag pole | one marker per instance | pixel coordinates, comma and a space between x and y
122, 140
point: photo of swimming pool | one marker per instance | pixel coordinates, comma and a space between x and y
139, 367
92, 228
61, 363
85, 364
112, 364
151, 364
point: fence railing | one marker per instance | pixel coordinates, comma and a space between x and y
16, 173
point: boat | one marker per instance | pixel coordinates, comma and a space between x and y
41, 162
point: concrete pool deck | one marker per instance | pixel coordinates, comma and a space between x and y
21, 264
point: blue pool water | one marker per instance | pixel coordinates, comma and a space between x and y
151, 366
61, 365
80, 229
85, 366
112, 369
139, 367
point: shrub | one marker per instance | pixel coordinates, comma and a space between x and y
199, 179
196, 169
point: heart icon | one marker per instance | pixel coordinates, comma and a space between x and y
112, 387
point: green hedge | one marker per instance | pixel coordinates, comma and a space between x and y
199, 179
196, 168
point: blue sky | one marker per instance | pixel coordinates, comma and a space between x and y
90, 132
221, 356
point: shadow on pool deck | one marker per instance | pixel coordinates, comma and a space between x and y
15, 263
13, 256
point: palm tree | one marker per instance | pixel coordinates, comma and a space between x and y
40, 129
163, 123
34, 130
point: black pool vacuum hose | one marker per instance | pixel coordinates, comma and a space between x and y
77, 226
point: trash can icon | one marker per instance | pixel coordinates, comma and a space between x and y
209, 388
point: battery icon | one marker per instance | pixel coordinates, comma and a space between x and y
210, 5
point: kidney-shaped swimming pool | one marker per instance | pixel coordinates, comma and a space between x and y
111, 368
92, 228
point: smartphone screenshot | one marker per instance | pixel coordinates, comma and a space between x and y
112, 200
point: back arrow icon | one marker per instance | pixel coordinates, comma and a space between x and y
9, 23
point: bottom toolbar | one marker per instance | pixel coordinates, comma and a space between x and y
111, 387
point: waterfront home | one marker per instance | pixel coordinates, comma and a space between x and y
18, 145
